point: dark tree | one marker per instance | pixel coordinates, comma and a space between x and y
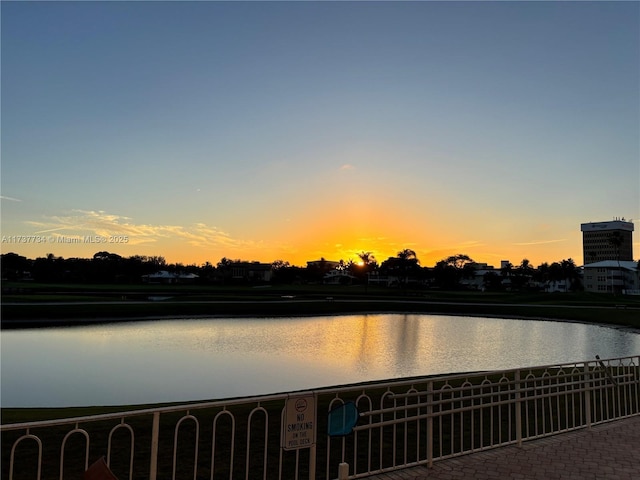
458, 261
522, 275
14, 266
48, 269
285, 273
492, 281
278, 264
445, 275
405, 266
315, 272
366, 266
571, 272
449, 272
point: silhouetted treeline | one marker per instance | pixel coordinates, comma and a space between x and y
104, 267
402, 271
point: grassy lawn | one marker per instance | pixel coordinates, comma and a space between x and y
133, 301
13, 291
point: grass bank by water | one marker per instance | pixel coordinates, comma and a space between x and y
34, 305
47, 305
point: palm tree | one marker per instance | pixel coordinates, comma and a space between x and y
366, 258
408, 254
541, 274
506, 269
570, 272
407, 260
525, 266
524, 273
368, 263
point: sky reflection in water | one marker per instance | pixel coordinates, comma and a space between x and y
179, 360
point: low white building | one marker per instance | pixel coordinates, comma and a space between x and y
251, 271
374, 278
555, 286
611, 276
477, 280
338, 277
163, 277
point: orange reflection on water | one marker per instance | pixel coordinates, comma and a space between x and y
189, 359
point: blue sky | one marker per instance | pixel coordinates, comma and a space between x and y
294, 130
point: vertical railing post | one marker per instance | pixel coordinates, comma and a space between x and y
587, 394
155, 434
343, 471
518, 408
430, 424
312, 452
312, 462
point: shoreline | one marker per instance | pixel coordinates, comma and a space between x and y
66, 323
55, 306
30, 323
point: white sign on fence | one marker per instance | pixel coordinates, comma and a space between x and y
299, 422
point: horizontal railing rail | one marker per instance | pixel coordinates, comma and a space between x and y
402, 423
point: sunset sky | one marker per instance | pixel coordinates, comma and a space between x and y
300, 130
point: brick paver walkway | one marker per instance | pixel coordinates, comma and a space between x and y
608, 451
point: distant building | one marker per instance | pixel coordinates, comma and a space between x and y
555, 286
338, 277
251, 271
599, 241
477, 280
375, 278
164, 278
611, 276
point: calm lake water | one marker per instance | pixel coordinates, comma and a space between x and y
180, 360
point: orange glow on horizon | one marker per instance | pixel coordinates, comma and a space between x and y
332, 246
339, 228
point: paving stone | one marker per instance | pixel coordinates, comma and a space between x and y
609, 451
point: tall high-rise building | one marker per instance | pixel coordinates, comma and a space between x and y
607, 241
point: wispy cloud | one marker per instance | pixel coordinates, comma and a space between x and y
540, 242
82, 222
347, 166
11, 199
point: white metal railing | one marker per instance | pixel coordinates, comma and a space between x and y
402, 423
